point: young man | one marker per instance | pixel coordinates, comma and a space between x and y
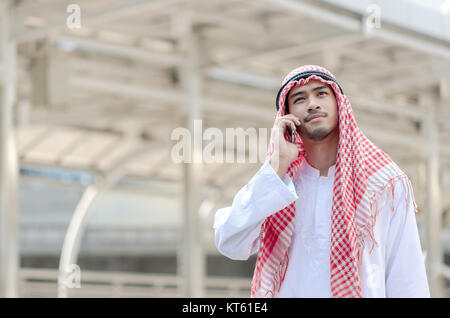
330, 214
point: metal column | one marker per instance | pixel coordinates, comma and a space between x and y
191, 258
9, 257
80, 217
434, 256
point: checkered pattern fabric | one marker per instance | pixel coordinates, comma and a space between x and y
363, 174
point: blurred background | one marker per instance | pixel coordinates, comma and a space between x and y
91, 92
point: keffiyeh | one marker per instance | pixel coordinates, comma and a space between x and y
363, 173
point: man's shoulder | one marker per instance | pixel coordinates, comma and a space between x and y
390, 178
387, 175
394, 187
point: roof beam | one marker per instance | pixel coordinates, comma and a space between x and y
298, 50
123, 51
220, 18
356, 23
129, 9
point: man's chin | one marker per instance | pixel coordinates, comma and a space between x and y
317, 134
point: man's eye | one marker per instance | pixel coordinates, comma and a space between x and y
322, 93
298, 99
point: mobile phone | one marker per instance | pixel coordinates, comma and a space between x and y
291, 133
289, 129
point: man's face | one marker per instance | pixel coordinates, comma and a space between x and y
314, 98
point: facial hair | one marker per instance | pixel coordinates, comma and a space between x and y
317, 133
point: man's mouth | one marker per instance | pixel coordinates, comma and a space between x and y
315, 116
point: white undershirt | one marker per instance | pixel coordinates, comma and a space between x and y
394, 269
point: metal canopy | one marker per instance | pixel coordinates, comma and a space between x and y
89, 97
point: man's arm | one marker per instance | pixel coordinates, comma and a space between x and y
405, 266
237, 227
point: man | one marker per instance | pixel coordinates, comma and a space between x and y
319, 200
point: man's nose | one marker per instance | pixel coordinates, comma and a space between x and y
313, 106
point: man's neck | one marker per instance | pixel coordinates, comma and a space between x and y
322, 154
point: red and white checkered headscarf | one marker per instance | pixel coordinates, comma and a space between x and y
362, 173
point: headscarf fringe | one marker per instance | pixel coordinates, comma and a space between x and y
368, 231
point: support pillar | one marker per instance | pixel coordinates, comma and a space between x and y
191, 257
434, 255
9, 247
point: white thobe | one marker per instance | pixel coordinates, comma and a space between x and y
395, 268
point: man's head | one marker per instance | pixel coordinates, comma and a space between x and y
313, 99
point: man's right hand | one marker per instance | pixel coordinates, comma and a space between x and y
287, 151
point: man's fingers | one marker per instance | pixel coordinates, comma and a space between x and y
293, 117
283, 122
290, 117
